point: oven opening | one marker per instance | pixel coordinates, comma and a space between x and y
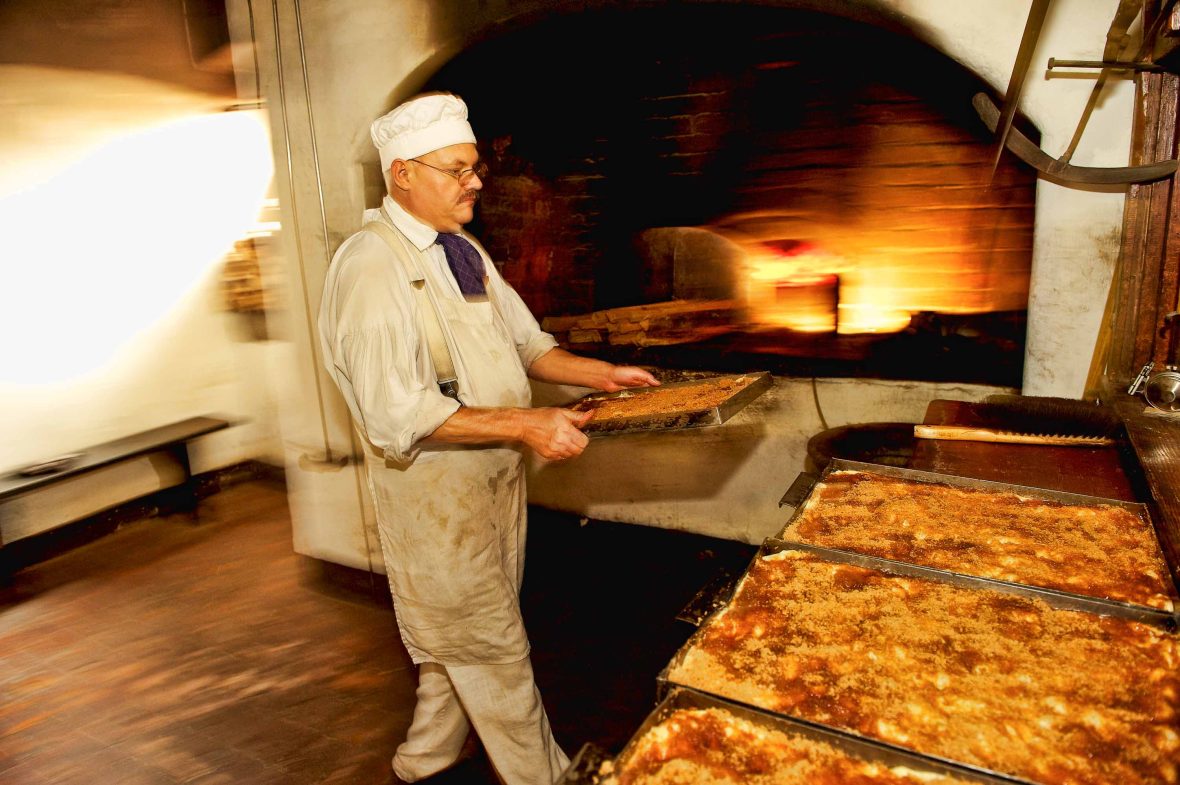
750, 188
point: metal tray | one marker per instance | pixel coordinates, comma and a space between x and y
673, 421
1056, 598
711, 597
665, 687
586, 767
854, 746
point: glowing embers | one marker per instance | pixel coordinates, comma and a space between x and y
794, 286
807, 303
798, 286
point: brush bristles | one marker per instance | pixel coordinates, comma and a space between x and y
1045, 415
1070, 437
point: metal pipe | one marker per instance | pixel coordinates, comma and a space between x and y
1109, 65
311, 338
361, 491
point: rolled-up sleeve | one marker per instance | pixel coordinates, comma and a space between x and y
395, 409
372, 350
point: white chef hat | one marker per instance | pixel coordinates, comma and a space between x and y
421, 125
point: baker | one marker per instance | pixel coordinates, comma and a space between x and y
432, 351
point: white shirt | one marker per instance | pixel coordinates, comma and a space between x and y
372, 344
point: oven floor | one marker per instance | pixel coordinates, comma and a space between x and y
168, 652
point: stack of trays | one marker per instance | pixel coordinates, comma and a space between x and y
921, 622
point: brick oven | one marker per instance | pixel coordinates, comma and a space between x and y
805, 193
794, 186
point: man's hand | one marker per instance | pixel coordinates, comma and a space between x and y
623, 376
558, 366
555, 434
552, 433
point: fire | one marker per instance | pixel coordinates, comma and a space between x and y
798, 286
795, 286
872, 318
801, 286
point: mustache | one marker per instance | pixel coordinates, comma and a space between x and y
471, 196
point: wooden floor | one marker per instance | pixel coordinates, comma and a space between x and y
172, 652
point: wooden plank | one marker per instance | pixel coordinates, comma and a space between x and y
1092, 471
1156, 440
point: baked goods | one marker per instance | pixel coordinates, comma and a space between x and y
1099, 551
713, 746
679, 398
982, 677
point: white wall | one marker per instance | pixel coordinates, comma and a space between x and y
364, 56
1077, 231
111, 316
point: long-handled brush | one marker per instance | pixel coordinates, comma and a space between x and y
1022, 419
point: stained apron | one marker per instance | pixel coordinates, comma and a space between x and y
452, 523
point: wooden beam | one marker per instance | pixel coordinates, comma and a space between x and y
1145, 276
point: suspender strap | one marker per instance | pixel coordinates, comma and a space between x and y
444, 367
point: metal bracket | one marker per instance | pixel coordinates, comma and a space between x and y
1058, 169
1137, 385
1028, 42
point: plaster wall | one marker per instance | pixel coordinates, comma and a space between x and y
346, 62
1077, 231
93, 266
196, 361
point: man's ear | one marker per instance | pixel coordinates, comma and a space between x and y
399, 174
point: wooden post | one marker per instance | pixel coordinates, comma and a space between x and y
1145, 282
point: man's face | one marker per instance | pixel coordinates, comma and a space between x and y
438, 198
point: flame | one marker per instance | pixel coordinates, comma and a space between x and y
796, 288
871, 318
866, 287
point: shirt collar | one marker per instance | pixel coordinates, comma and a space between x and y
421, 235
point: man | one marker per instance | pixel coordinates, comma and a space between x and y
446, 475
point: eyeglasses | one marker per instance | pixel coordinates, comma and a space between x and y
464, 176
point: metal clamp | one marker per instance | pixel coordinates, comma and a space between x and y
450, 388
1137, 385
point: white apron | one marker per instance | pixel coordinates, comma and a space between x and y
452, 523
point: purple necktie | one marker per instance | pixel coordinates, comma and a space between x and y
465, 262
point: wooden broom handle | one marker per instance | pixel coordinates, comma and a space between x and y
961, 433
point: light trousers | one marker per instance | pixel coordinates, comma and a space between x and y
504, 706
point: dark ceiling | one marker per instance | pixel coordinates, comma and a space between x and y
180, 42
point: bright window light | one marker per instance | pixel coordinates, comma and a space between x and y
102, 250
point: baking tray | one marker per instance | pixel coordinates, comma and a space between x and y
678, 697
586, 767
1056, 598
666, 687
674, 420
711, 597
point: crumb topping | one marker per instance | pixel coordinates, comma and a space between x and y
715, 747
1101, 551
681, 398
982, 677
